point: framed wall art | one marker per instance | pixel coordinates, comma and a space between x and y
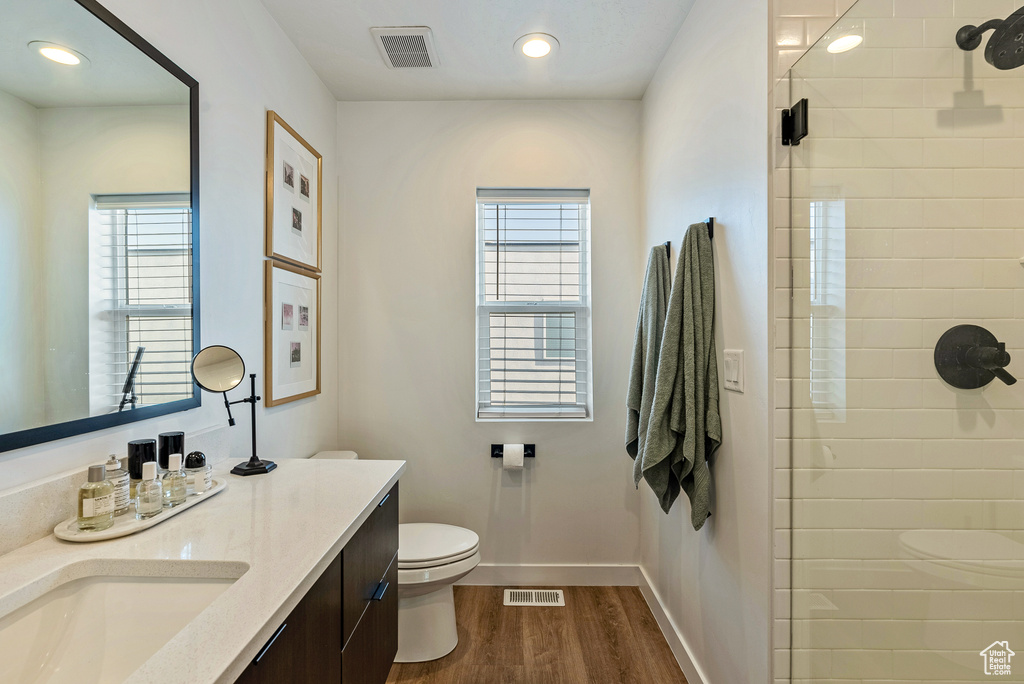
294, 196
291, 333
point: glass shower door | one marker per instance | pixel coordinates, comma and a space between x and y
907, 220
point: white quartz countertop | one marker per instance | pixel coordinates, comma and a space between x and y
286, 526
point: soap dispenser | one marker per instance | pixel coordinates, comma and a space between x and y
149, 493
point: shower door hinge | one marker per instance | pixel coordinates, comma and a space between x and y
794, 123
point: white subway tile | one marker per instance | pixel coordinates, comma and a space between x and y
1003, 515
984, 484
985, 243
892, 213
861, 664
923, 8
954, 153
863, 183
804, 8
924, 183
893, 153
1003, 213
953, 213
893, 33
923, 303
982, 10
1003, 273
954, 273
952, 515
860, 484
923, 484
869, 243
893, 92
913, 363
923, 62
983, 303
892, 334
1000, 153
920, 123
866, 124
982, 183
934, 243
826, 92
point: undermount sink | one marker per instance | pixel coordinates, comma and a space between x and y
101, 626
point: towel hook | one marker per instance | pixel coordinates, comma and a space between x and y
711, 233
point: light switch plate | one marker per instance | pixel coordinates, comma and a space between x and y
734, 370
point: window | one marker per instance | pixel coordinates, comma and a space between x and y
828, 309
140, 297
533, 304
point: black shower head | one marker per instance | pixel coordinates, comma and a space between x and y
1005, 49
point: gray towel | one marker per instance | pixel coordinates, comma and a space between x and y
685, 428
650, 323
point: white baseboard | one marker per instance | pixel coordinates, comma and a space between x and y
676, 642
549, 575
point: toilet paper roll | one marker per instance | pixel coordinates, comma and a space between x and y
512, 456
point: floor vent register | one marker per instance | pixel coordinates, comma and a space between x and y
534, 597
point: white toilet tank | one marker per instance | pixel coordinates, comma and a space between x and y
343, 455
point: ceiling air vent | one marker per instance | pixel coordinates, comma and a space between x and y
405, 47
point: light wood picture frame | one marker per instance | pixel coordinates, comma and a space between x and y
294, 197
291, 337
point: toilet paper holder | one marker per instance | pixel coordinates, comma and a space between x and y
498, 450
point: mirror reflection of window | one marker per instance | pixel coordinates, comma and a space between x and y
141, 295
828, 309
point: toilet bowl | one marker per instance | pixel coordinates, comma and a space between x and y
431, 558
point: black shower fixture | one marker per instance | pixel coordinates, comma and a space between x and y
1005, 49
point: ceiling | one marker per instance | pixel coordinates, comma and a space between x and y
609, 49
117, 72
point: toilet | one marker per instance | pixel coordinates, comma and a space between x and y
431, 558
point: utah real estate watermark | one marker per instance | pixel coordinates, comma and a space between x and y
997, 658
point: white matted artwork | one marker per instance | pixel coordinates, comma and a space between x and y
291, 347
294, 204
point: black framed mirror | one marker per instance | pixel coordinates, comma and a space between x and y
99, 225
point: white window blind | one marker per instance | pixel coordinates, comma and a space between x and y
142, 281
828, 309
533, 304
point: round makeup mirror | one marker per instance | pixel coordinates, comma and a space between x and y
218, 368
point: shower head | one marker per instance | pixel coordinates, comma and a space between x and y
1005, 49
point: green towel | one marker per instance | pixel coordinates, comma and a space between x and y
685, 428
650, 323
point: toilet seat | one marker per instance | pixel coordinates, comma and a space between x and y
429, 545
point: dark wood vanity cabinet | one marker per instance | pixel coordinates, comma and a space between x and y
345, 629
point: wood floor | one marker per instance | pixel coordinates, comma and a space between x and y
603, 635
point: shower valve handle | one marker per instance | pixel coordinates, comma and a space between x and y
970, 357
993, 359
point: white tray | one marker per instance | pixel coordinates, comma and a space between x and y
127, 524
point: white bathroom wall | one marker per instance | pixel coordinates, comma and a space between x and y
20, 330
86, 151
705, 153
244, 65
409, 171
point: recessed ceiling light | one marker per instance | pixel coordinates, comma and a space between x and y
58, 53
536, 45
845, 43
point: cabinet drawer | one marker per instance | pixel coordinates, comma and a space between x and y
370, 652
366, 558
306, 647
